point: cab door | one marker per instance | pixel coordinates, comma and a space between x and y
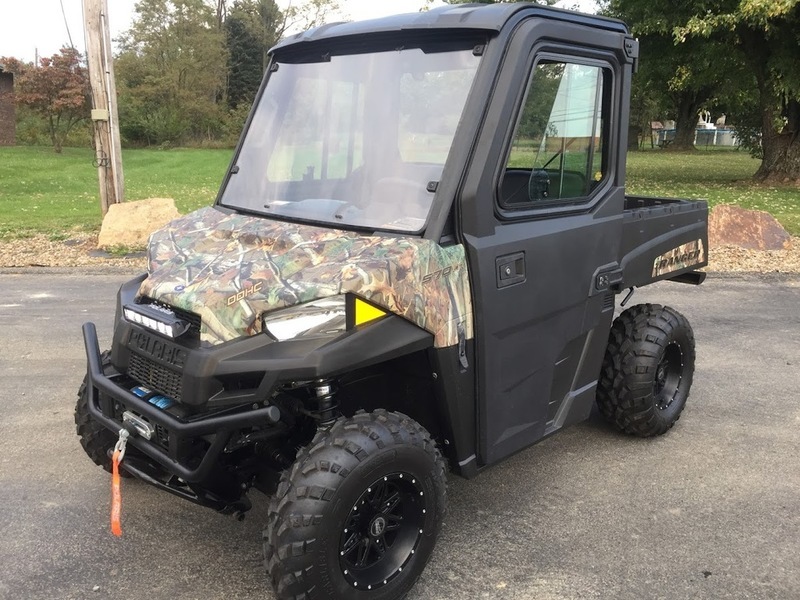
541, 217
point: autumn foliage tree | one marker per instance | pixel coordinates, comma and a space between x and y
57, 90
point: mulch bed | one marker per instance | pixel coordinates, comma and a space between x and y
81, 251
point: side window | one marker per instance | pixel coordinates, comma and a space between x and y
558, 151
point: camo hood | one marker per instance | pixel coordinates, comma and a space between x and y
231, 269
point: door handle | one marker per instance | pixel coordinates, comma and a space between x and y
510, 269
609, 280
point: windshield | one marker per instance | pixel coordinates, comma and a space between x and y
355, 140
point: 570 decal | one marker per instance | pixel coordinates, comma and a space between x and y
440, 274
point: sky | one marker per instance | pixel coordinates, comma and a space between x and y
28, 25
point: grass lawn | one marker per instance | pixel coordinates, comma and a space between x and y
42, 192
719, 176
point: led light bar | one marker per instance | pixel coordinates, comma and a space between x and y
159, 319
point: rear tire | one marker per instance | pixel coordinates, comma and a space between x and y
647, 370
357, 515
95, 439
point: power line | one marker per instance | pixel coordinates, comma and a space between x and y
66, 24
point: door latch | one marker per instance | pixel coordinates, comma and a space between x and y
510, 269
610, 280
462, 347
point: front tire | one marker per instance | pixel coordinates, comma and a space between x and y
358, 514
647, 370
95, 439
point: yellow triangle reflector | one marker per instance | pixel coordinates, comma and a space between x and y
364, 312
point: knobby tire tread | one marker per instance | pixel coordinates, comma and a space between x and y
95, 439
287, 547
637, 340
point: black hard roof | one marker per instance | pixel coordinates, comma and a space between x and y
488, 17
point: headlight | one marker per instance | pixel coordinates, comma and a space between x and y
157, 318
327, 316
321, 317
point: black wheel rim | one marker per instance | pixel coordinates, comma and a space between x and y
668, 376
382, 531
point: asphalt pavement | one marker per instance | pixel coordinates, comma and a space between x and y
711, 510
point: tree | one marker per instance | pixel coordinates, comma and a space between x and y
185, 63
245, 50
471, 1
767, 32
545, 2
57, 90
172, 72
307, 14
753, 45
252, 28
297, 16
681, 78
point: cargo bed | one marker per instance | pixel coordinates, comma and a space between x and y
663, 238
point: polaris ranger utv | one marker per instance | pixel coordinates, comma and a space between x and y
412, 266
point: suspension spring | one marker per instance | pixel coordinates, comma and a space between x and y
327, 404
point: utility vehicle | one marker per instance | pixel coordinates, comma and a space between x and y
412, 266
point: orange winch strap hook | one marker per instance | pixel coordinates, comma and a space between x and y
116, 495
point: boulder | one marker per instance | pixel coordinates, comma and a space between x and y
130, 224
751, 229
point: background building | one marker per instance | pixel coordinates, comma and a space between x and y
8, 116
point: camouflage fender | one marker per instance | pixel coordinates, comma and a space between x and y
232, 268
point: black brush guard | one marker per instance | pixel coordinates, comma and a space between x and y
184, 478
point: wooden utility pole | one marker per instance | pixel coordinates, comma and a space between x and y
104, 103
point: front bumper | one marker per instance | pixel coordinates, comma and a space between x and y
113, 398
255, 368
